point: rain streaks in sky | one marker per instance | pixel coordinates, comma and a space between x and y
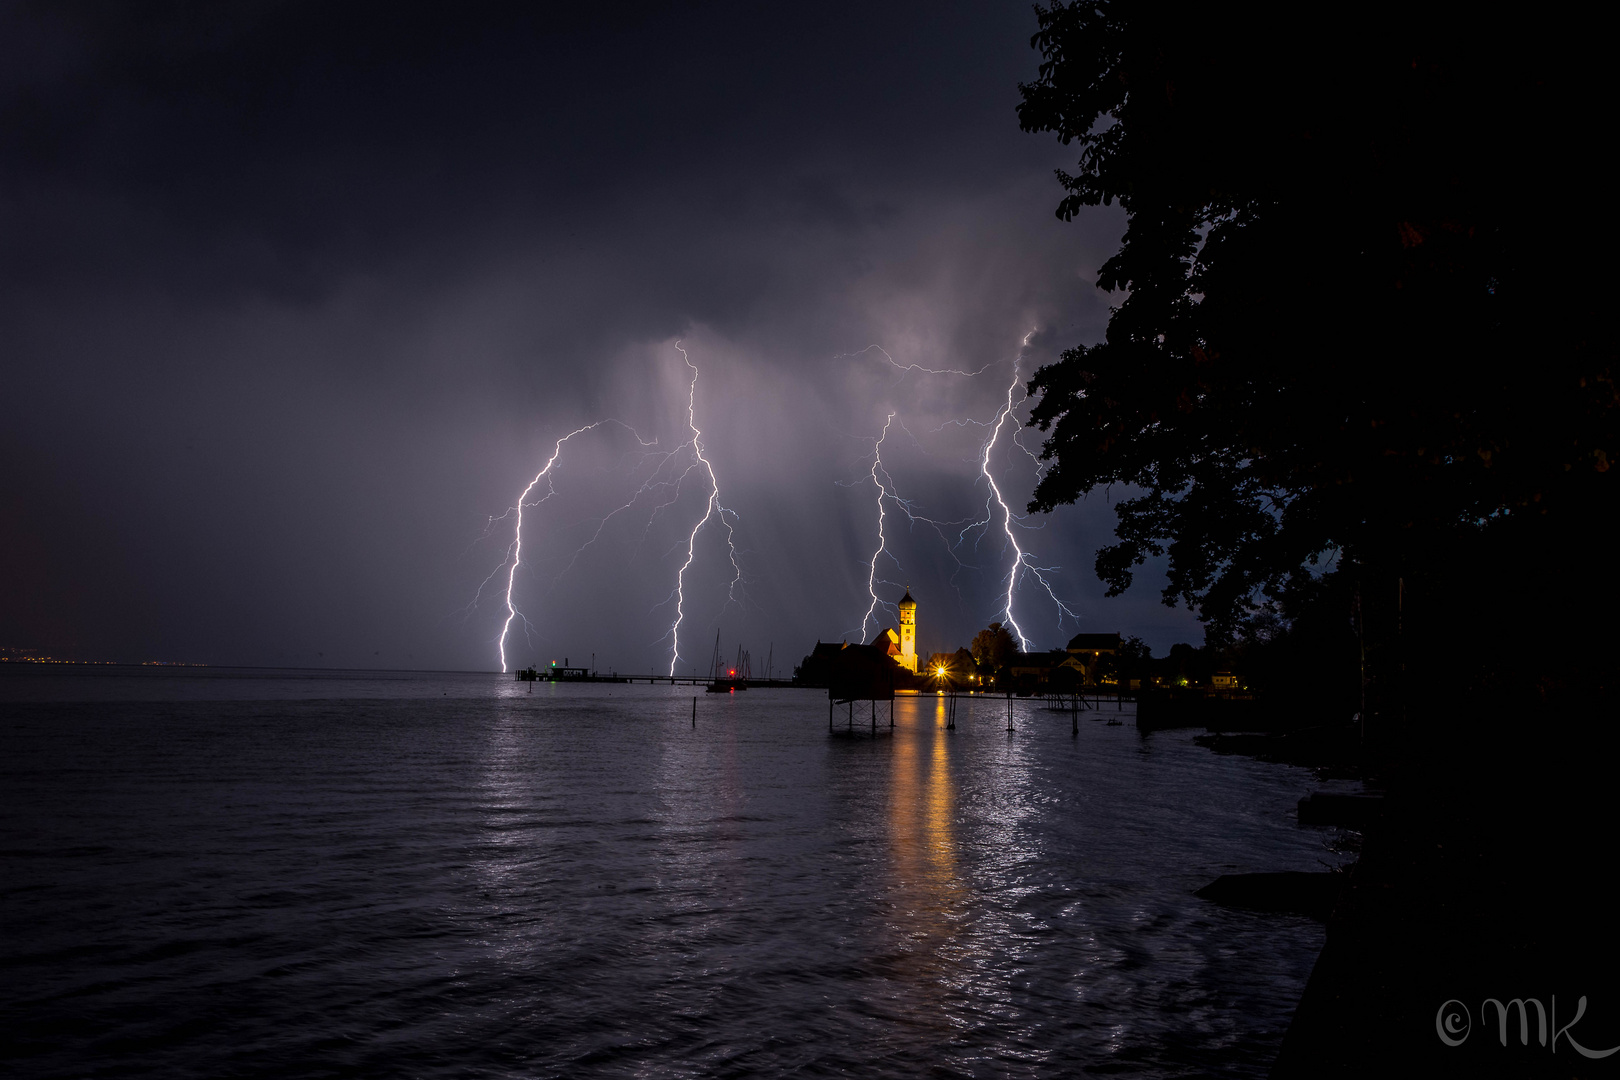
965, 540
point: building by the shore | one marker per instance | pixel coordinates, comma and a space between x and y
897, 643
900, 643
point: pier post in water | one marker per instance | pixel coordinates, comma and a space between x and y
694, 712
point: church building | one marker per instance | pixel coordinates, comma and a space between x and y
901, 645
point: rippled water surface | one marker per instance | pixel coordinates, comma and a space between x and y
303, 874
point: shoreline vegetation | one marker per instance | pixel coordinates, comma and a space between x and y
1480, 874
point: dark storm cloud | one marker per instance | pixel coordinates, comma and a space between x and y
297, 295
282, 144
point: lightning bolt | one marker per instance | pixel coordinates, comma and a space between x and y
516, 550
1006, 512
883, 540
914, 367
888, 493
1023, 562
1021, 559
885, 484
657, 480
711, 508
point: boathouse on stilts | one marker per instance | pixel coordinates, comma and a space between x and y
860, 674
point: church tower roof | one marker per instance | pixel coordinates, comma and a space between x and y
906, 599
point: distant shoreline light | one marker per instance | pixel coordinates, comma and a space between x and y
108, 663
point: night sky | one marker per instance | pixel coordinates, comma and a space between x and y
298, 296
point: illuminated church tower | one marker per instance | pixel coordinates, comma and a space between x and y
908, 633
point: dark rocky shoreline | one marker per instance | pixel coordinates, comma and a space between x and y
1483, 876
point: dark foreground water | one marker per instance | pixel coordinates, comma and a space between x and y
218, 874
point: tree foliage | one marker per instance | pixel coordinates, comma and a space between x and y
994, 647
1365, 288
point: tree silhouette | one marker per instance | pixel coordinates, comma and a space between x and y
993, 648
1365, 315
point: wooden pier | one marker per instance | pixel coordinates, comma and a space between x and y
581, 675
720, 678
1074, 702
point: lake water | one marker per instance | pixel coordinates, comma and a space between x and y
224, 873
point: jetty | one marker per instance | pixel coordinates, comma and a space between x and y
585, 675
720, 678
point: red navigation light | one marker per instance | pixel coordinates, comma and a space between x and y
734, 671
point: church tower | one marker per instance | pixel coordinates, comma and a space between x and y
908, 632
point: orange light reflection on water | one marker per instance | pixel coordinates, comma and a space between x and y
930, 896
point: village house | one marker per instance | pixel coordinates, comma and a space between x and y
1095, 656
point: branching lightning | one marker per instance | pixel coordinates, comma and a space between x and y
885, 486
516, 550
1021, 558
1006, 512
670, 472
712, 508
883, 540
887, 493
660, 479
1023, 562
650, 484
914, 367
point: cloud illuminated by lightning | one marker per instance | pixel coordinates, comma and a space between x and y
889, 494
650, 484
1022, 563
885, 489
668, 483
